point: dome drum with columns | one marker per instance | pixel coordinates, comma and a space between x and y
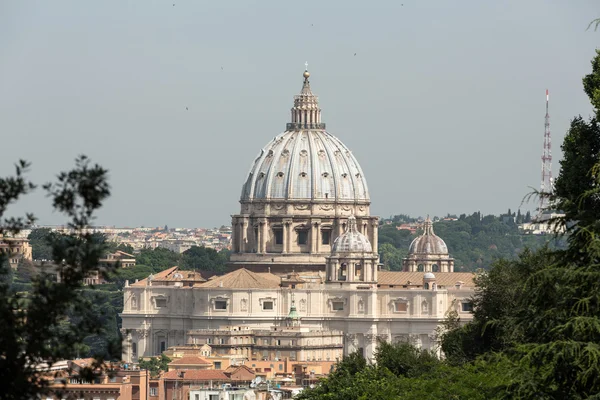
297, 197
428, 253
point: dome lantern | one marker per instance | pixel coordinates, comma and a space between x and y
306, 113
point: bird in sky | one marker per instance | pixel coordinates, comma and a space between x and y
354, 54
186, 108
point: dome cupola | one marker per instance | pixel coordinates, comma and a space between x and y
428, 253
351, 241
428, 242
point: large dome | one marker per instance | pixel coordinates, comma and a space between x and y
306, 162
306, 165
428, 242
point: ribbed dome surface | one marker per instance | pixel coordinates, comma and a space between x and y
305, 162
428, 242
306, 165
351, 241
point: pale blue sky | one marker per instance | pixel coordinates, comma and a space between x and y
443, 104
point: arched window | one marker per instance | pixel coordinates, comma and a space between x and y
343, 271
420, 268
435, 268
426, 286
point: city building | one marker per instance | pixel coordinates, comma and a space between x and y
305, 280
115, 383
15, 249
123, 259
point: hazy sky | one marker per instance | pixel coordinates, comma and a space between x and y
443, 104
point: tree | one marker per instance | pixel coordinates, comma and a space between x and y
548, 326
40, 241
158, 258
34, 327
155, 365
204, 259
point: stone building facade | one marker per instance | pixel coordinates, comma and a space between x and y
304, 241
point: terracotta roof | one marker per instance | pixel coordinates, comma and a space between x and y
416, 278
243, 279
124, 254
233, 368
190, 360
197, 375
83, 362
161, 274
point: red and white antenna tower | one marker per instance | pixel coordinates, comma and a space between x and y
546, 186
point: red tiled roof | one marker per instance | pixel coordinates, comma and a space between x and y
162, 274
83, 362
197, 375
448, 279
190, 360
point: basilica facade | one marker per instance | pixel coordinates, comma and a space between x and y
303, 241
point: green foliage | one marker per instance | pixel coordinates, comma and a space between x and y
35, 327
404, 359
204, 259
155, 364
475, 241
41, 243
542, 312
198, 258
158, 258
404, 372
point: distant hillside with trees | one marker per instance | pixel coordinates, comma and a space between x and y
475, 241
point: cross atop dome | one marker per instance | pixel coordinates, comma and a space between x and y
306, 113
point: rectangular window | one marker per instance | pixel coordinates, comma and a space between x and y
337, 305
278, 233
266, 341
134, 349
197, 396
220, 305
213, 397
161, 303
278, 342
467, 307
153, 391
208, 341
265, 354
217, 364
221, 341
163, 346
400, 306
267, 305
325, 237
302, 237
293, 355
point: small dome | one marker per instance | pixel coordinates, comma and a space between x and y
428, 275
351, 241
428, 242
